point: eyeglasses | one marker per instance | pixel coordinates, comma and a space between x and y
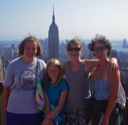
76, 49
101, 48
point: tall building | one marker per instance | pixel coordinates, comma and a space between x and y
124, 43
53, 39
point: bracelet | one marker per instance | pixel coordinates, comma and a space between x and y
50, 114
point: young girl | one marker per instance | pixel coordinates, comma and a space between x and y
20, 84
56, 89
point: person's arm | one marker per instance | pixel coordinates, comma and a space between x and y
49, 114
90, 63
8, 82
61, 102
47, 105
114, 81
6, 93
47, 110
114, 64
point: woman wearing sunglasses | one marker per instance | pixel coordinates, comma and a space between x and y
106, 85
76, 73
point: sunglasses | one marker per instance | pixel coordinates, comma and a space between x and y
99, 48
75, 49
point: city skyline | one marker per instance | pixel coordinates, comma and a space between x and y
82, 19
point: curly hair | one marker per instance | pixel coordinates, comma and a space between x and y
101, 39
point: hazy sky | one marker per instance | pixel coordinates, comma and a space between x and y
75, 18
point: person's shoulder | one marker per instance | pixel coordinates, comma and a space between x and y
42, 62
63, 82
15, 61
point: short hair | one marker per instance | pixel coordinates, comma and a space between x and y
29, 39
74, 41
102, 39
53, 62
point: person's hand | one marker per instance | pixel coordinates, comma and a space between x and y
51, 122
48, 122
45, 122
114, 67
105, 121
5, 108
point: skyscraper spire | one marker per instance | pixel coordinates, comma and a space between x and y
53, 39
53, 17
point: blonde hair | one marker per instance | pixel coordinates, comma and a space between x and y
47, 79
75, 42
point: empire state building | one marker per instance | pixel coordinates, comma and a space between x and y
53, 39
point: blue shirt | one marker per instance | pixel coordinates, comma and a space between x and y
101, 90
54, 93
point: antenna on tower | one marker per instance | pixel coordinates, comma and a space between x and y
53, 9
53, 17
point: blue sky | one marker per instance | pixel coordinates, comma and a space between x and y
75, 18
